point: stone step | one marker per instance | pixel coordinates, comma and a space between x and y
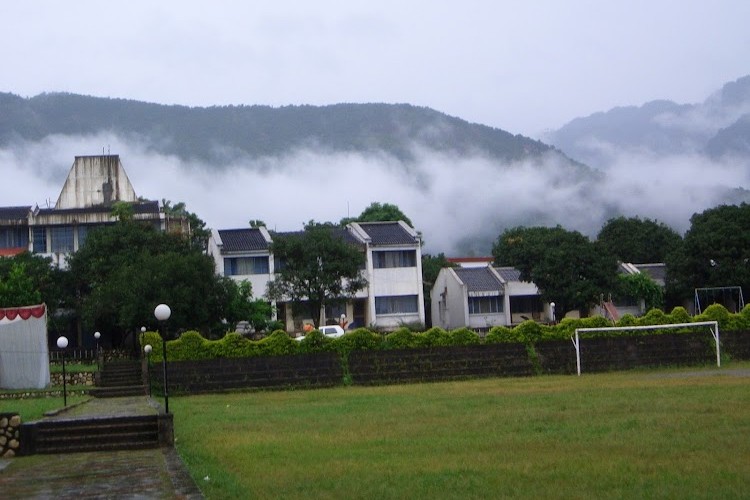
96, 434
118, 391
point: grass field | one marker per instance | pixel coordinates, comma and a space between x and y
644, 434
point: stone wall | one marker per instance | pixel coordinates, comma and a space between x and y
448, 363
10, 425
78, 378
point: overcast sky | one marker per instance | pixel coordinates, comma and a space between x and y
523, 66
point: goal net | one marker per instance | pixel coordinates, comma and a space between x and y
713, 327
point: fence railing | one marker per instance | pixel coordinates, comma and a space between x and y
73, 355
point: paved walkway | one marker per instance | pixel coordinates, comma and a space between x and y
149, 473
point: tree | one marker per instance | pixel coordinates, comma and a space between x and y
379, 212
17, 288
715, 253
33, 273
319, 268
256, 223
126, 269
640, 286
638, 241
241, 306
567, 268
199, 233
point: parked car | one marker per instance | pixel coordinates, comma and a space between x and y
331, 331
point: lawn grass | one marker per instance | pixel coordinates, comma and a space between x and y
655, 434
34, 408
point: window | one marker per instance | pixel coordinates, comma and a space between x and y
396, 304
83, 232
485, 305
61, 239
334, 312
39, 236
12, 237
526, 304
394, 258
245, 265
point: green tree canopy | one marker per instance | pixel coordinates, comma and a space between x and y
637, 240
199, 233
319, 267
30, 279
567, 267
126, 269
379, 212
715, 253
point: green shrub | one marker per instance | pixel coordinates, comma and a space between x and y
502, 334
627, 320
314, 341
553, 332
360, 339
234, 345
654, 317
190, 345
680, 315
403, 338
154, 340
279, 343
434, 337
464, 336
529, 331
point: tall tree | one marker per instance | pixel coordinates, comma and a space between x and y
637, 240
379, 212
126, 269
199, 233
320, 267
715, 253
567, 268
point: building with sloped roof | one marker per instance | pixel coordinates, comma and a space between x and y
483, 297
393, 295
92, 188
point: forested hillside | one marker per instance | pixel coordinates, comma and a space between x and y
217, 134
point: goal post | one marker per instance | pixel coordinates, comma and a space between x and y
713, 327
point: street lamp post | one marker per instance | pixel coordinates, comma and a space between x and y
143, 330
62, 343
147, 350
552, 311
97, 336
162, 312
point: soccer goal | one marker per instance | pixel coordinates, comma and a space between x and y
713, 327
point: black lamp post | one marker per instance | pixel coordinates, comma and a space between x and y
62, 343
162, 312
97, 336
147, 349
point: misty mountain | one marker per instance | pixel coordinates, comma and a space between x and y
461, 184
718, 127
222, 134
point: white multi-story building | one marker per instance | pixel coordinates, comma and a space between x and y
393, 269
482, 297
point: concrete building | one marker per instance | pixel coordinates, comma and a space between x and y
482, 297
93, 186
393, 269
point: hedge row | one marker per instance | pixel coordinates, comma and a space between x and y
192, 346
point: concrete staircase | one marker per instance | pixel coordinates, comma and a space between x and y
91, 434
118, 379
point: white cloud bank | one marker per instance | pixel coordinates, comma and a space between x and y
460, 204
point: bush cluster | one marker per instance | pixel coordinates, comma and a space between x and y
192, 346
